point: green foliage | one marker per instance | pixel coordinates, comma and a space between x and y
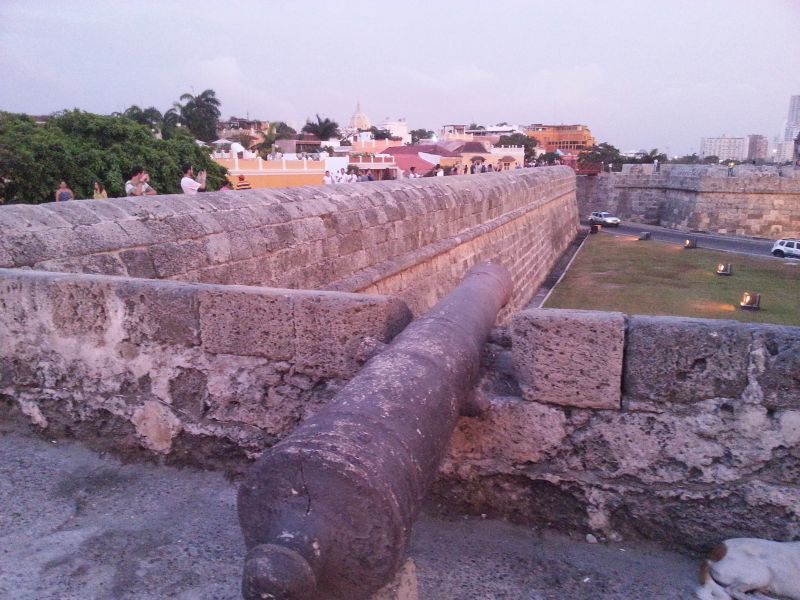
475, 126
277, 131
323, 129
602, 153
81, 148
711, 160
380, 134
520, 139
200, 114
550, 158
420, 134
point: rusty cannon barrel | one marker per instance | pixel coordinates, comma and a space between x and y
327, 512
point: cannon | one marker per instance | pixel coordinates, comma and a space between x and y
327, 512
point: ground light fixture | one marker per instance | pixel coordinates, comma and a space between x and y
750, 301
690, 242
645, 235
724, 269
594, 228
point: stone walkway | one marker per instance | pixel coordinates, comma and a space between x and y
75, 525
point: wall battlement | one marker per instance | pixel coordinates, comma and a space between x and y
410, 238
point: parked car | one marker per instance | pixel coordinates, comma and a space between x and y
604, 218
790, 248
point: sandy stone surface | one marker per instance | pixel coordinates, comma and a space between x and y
74, 524
569, 357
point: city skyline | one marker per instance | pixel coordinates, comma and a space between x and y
639, 78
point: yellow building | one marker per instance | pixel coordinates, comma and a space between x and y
274, 173
567, 138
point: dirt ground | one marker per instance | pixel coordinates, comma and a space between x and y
78, 525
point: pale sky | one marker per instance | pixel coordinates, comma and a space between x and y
640, 74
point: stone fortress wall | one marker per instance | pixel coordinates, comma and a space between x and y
756, 201
682, 430
166, 322
144, 326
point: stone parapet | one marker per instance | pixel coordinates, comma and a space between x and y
205, 374
705, 444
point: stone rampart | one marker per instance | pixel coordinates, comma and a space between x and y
410, 238
169, 322
682, 430
755, 201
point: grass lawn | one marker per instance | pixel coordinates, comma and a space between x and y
621, 273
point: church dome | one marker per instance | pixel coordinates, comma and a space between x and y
359, 120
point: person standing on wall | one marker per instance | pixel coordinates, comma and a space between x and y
138, 184
243, 184
189, 185
63, 193
99, 191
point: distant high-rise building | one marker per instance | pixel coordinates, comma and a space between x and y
792, 120
757, 147
784, 152
724, 147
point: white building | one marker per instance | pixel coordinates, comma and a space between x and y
724, 147
398, 128
784, 152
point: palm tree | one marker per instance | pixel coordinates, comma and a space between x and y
277, 131
200, 114
324, 129
170, 121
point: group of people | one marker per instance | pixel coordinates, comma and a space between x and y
347, 176
139, 185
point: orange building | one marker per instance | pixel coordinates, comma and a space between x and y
567, 138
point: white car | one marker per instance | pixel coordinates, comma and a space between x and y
790, 248
604, 218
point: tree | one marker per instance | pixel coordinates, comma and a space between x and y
520, 139
602, 153
653, 156
711, 160
323, 129
380, 134
82, 148
245, 139
550, 158
475, 126
201, 114
688, 159
420, 134
277, 131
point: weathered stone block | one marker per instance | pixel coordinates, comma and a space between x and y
330, 327
682, 360
778, 366
160, 312
247, 322
569, 357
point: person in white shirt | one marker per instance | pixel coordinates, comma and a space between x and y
439, 171
327, 179
138, 184
412, 173
189, 185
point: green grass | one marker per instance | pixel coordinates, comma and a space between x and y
621, 273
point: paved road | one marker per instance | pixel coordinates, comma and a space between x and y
726, 243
